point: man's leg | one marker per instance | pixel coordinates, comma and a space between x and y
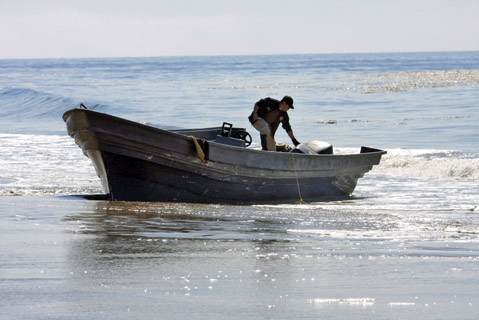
264, 141
267, 141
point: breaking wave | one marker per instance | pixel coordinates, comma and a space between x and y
25, 103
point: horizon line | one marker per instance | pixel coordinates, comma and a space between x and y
232, 55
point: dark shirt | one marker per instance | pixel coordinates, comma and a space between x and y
269, 111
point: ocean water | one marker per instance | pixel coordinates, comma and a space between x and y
405, 245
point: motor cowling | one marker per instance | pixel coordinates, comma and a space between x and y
314, 147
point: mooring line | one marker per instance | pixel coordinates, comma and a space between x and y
300, 201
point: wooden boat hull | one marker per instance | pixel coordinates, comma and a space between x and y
136, 162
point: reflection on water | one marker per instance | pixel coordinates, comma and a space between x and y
163, 221
160, 236
135, 227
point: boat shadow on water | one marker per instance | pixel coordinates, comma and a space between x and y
107, 197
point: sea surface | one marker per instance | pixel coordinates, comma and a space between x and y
404, 246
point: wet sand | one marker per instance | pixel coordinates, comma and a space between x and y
69, 258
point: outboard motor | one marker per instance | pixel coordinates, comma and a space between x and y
314, 147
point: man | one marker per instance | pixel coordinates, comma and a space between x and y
268, 113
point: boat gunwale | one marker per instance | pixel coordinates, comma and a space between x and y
217, 144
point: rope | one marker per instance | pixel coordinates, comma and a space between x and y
199, 150
300, 201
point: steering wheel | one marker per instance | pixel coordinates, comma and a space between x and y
243, 135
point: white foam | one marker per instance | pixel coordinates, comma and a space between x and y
342, 234
401, 304
363, 302
44, 164
429, 164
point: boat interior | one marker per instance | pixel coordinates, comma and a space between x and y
226, 134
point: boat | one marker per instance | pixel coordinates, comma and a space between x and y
138, 162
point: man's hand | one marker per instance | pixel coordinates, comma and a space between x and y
295, 142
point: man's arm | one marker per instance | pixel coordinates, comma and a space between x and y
293, 139
289, 130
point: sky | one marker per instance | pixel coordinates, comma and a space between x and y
139, 28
